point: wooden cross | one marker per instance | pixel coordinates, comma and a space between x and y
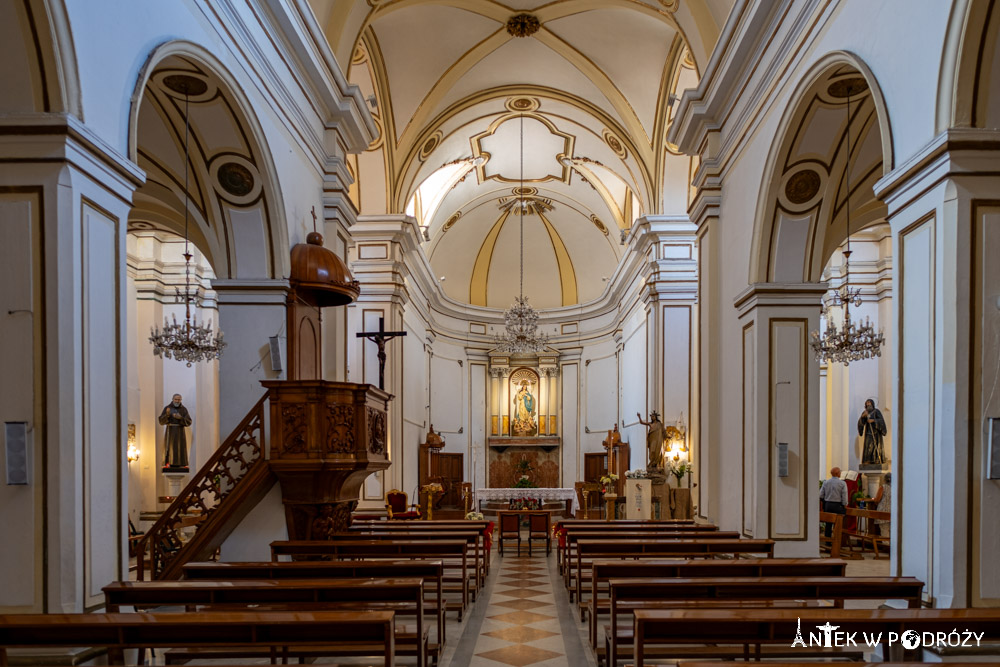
379, 338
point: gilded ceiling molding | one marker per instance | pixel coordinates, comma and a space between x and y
477, 149
410, 154
567, 276
614, 143
597, 223
451, 221
522, 25
380, 78
481, 269
522, 104
669, 81
609, 200
601, 80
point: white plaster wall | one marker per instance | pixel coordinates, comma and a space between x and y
264, 524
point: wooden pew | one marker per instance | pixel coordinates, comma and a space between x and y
631, 595
588, 551
323, 632
636, 534
484, 528
836, 539
472, 536
454, 555
603, 571
404, 596
753, 627
565, 526
431, 571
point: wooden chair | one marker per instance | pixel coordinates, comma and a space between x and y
134, 536
510, 529
540, 528
396, 506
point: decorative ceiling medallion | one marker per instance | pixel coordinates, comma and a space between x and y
432, 142
687, 60
600, 225
802, 186
670, 5
847, 87
185, 84
614, 143
235, 178
522, 25
359, 57
141, 225
526, 191
522, 103
451, 221
530, 205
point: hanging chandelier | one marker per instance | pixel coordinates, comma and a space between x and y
186, 341
520, 333
849, 341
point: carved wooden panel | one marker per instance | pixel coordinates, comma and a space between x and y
293, 428
340, 428
376, 431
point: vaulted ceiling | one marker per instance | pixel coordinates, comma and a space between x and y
559, 107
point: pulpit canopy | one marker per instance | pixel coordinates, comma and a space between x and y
319, 276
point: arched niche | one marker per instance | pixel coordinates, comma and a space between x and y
37, 46
802, 215
233, 199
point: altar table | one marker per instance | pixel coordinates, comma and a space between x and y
565, 495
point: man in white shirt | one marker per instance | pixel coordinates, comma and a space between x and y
833, 495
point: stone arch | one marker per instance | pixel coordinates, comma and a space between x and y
35, 40
801, 212
236, 216
970, 62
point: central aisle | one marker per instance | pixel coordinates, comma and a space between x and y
524, 618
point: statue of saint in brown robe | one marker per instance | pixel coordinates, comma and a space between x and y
176, 418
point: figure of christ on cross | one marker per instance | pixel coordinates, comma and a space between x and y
379, 338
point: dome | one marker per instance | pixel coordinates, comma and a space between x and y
319, 276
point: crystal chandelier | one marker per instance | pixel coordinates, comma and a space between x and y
848, 342
186, 341
520, 320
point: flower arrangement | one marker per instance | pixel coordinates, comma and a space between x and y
679, 469
524, 482
432, 487
474, 516
607, 481
636, 474
525, 504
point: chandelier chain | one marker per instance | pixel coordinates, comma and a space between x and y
848, 342
189, 342
520, 332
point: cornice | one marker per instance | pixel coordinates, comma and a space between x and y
23, 138
780, 295
957, 151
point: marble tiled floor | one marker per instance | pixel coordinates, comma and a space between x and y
522, 618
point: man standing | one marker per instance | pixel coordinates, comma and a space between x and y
833, 495
176, 418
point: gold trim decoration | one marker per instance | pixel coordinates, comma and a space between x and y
567, 274
494, 425
432, 142
481, 269
476, 141
522, 104
848, 87
451, 221
506, 425
597, 223
529, 205
523, 25
614, 143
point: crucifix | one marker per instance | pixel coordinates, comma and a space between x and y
379, 338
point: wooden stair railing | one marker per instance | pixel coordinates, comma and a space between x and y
227, 487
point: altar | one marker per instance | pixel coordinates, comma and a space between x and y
567, 496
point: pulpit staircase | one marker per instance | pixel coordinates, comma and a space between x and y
213, 503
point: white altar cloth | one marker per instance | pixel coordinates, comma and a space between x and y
543, 494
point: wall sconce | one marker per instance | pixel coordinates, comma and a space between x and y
676, 440
132, 452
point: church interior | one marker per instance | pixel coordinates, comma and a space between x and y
499, 332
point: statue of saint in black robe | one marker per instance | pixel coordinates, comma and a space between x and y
871, 426
175, 417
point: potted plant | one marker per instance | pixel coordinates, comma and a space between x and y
679, 469
523, 469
